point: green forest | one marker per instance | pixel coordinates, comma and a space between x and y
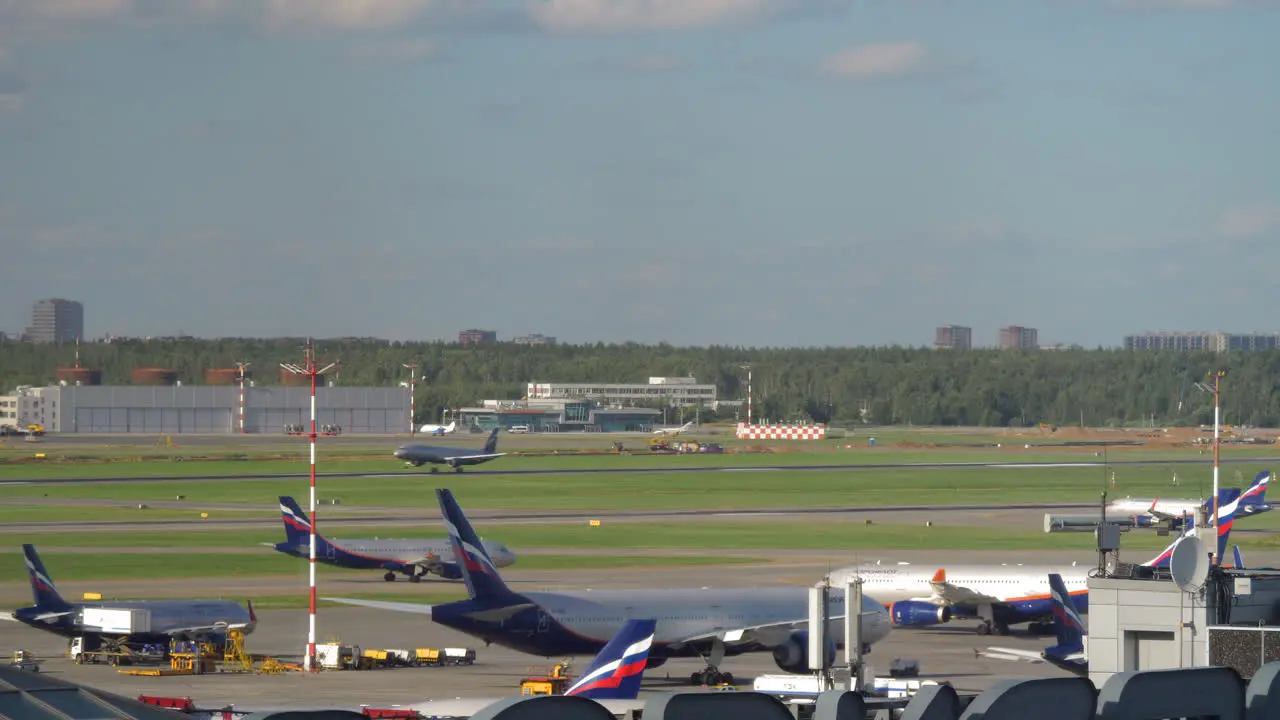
844, 386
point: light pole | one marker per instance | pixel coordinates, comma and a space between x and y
1217, 376
241, 366
747, 367
309, 369
411, 367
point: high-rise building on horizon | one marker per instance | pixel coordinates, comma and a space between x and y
1196, 340
1017, 337
55, 321
953, 337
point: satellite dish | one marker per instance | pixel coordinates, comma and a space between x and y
1189, 564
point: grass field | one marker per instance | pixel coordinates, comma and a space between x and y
79, 566
661, 491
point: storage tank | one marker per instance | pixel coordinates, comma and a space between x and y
225, 376
288, 378
79, 376
153, 376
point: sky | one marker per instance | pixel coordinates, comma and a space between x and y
735, 172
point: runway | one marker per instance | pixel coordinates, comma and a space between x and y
1020, 465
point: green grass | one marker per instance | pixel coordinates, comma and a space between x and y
144, 566
662, 491
58, 513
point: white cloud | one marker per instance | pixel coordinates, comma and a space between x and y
1250, 222
342, 14
609, 15
406, 51
871, 62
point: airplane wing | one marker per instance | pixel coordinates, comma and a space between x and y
384, 605
1000, 653
766, 634
213, 627
946, 593
483, 456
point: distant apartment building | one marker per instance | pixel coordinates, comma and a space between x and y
55, 321
478, 337
1191, 341
1016, 337
534, 339
953, 337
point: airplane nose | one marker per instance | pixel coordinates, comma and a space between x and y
399, 452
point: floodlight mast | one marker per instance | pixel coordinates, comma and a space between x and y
241, 366
1217, 422
412, 423
309, 369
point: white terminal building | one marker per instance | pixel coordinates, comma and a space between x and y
679, 391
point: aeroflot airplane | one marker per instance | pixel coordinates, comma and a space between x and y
412, 558
1252, 502
708, 623
1000, 595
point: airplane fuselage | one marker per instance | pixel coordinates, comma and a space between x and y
364, 554
418, 455
582, 622
1023, 588
167, 618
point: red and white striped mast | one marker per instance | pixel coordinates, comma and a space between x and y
411, 367
309, 369
241, 366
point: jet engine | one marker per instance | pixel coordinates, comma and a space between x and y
654, 662
913, 613
450, 571
793, 655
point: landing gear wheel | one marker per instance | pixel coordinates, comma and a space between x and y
1001, 629
984, 629
415, 578
389, 577
710, 676
435, 469
458, 469
695, 678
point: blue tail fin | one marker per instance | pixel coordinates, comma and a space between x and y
1067, 624
1226, 517
1235, 550
297, 528
478, 570
491, 445
614, 674
42, 589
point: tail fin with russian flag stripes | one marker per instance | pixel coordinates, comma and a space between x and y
478, 570
42, 589
1226, 517
615, 673
1067, 624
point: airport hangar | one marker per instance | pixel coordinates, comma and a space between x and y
209, 409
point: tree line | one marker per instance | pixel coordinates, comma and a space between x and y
887, 385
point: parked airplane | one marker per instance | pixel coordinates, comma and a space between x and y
673, 430
612, 679
1072, 651
999, 595
456, 458
413, 558
152, 621
439, 429
708, 623
1252, 502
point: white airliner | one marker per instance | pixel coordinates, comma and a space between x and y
1251, 502
674, 430
439, 429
